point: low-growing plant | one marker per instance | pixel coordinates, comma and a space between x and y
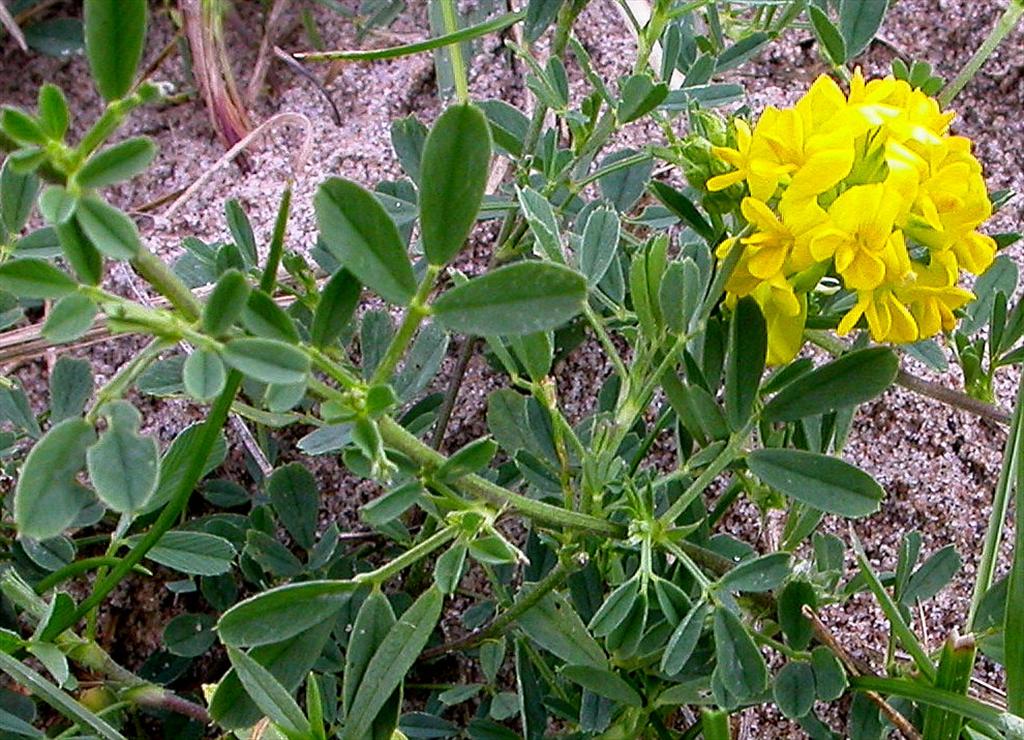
592, 590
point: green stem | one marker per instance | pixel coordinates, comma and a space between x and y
500, 625
1006, 23
412, 555
451, 25
205, 440
463, 34
729, 453
414, 315
157, 273
397, 437
1000, 500
56, 698
73, 569
1014, 621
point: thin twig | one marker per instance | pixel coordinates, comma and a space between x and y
266, 52
951, 397
829, 640
8, 22
444, 414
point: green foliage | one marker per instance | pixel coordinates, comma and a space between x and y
580, 533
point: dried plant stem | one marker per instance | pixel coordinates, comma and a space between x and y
826, 638
266, 53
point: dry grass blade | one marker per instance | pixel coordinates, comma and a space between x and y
267, 45
8, 22
211, 67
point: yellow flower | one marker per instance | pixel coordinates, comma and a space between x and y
816, 160
785, 243
932, 295
785, 315
952, 201
838, 183
753, 161
861, 237
888, 319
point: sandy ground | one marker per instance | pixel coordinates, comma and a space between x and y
938, 466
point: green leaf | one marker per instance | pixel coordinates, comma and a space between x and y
790, 603
603, 683
335, 309
536, 352
24, 129
829, 38
539, 15
522, 298
541, 218
270, 555
456, 162
554, 625
624, 186
296, 500
449, 567
684, 639
204, 375
793, 689
241, 231
391, 661
282, 612
741, 51
189, 635
859, 21
273, 699
748, 350
829, 676
824, 482
289, 661
107, 228
124, 465
70, 318
115, 34
52, 108
122, 161
70, 388
264, 318
600, 244
47, 497
758, 575
391, 505
852, 379
739, 663
267, 360
408, 137
682, 207
17, 196
83, 257
615, 608
57, 205
373, 622
357, 229
32, 278
508, 125
469, 459
932, 576
226, 303
196, 553
640, 95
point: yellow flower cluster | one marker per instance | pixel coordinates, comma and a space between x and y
869, 187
